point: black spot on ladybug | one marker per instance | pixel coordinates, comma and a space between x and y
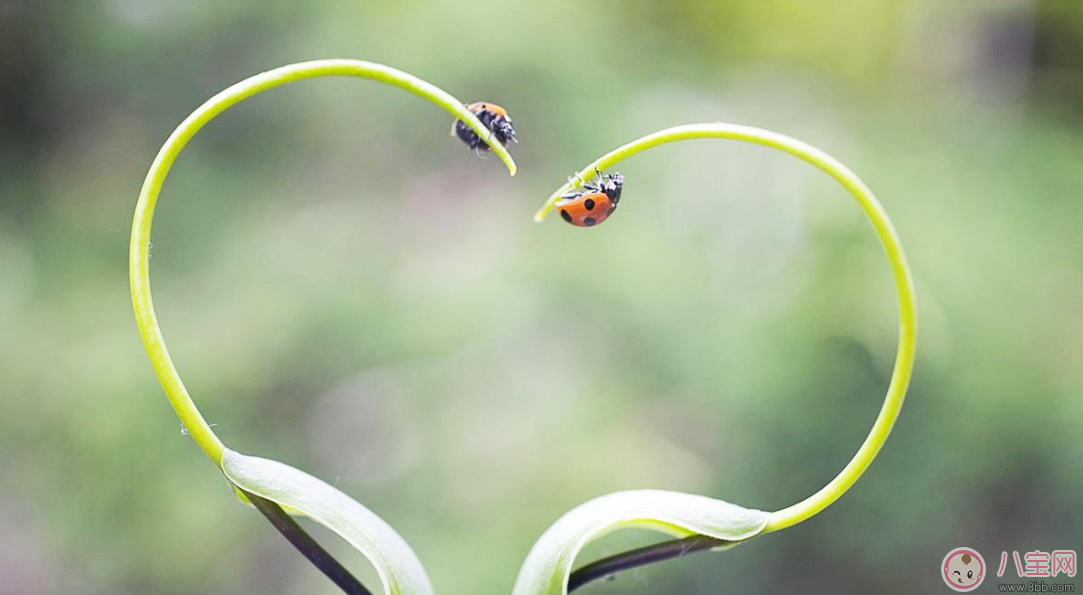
564, 215
589, 221
589, 204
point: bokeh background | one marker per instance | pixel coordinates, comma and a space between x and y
346, 289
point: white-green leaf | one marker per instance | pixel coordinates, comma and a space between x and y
399, 569
549, 563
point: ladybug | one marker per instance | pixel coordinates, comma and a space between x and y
592, 204
494, 117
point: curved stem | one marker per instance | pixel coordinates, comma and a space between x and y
889, 239
139, 256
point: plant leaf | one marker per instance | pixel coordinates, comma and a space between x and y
550, 561
399, 569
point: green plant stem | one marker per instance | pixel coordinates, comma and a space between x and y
889, 239
139, 261
139, 256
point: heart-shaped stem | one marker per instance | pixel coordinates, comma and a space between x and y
139, 255
900, 270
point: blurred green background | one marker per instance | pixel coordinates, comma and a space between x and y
346, 289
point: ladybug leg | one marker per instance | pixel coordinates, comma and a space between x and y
593, 186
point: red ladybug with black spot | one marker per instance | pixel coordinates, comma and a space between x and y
593, 203
494, 117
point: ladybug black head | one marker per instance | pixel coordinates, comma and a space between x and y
502, 129
611, 185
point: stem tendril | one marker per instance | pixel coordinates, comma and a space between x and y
889, 240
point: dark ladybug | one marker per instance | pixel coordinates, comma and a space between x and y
494, 117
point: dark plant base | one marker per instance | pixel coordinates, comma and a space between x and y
305, 544
659, 552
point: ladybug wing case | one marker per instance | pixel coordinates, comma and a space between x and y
586, 210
